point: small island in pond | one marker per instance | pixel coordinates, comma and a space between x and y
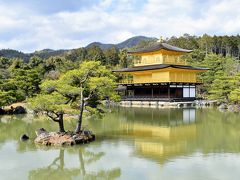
80, 90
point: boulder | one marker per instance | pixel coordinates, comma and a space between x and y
238, 108
223, 106
179, 105
40, 131
19, 110
234, 108
2, 112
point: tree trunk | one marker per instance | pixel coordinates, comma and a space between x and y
79, 123
206, 49
60, 122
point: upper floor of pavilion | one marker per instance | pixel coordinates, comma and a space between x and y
159, 53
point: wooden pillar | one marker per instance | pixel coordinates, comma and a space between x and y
175, 92
195, 91
169, 92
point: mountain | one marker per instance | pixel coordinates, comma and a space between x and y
101, 45
125, 44
133, 41
10, 53
46, 53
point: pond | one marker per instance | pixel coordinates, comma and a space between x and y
132, 143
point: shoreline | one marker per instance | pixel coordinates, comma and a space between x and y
164, 104
186, 104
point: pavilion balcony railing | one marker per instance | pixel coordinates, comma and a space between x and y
155, 98
131, 81
126, 81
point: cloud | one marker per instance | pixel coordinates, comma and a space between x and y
28, 25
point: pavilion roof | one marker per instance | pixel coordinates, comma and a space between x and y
159, 46
158, 66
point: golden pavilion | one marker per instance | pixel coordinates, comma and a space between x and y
160, 73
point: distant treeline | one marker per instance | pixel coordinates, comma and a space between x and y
44, 54
223, 45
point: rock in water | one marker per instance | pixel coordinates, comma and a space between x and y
24, 137
19, 110
223, 106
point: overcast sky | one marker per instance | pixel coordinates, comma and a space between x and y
30, 25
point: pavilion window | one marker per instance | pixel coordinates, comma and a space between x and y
186, 92
192, 92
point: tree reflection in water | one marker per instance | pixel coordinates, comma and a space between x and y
57, 169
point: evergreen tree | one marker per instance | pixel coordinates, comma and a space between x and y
95, 53
123, 58
111, 55
74, 89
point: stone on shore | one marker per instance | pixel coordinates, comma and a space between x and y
223, 106
63, 138
19, 110
234, 108
13, 110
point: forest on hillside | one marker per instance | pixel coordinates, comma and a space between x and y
21, 79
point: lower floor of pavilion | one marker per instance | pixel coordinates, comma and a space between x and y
158, 91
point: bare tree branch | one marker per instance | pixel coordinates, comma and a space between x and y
48, 113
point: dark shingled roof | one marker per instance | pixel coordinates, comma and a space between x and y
158, 66
159, 46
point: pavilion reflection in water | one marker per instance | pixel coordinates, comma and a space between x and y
164, 135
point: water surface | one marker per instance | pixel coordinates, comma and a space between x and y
132, 143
